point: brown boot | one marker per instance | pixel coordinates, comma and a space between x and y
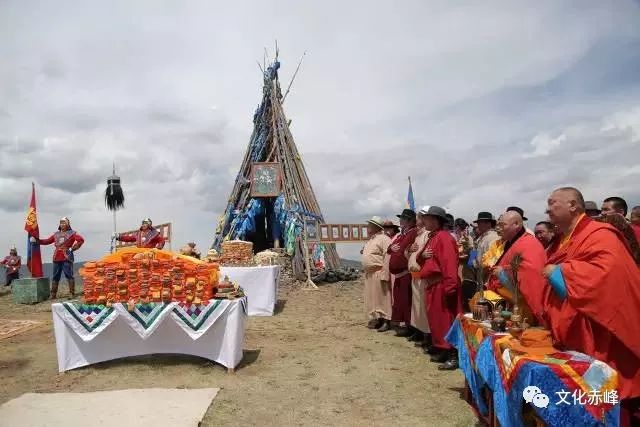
72, 288
54, 290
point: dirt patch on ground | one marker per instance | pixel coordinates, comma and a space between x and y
314, 363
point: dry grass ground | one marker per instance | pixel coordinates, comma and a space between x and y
314, 363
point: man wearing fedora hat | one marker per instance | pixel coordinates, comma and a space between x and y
487, 234
399, 267
377, 289
443, 295
391, 229
419, 322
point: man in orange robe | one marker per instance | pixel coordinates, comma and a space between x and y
592, 299
443, 294
518, 241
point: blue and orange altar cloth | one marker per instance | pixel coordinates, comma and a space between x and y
579, 389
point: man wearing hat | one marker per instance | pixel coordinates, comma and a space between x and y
591, 209
391, 229
146, 237
377, 289
12, 264
399, 267
487, 234
66, 242
443, 290
419, 322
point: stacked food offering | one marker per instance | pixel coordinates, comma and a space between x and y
237, 252
148, 275
228, 290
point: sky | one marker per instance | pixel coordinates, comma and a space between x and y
484, 104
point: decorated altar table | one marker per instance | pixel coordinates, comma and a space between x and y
88, 334
260, 285
581, 390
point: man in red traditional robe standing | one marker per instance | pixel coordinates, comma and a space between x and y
443, 295
66, 242
591, 298
399, 267
146, 237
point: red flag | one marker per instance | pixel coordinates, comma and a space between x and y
34, 258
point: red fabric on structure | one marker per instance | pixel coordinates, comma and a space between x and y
600, 315
443, 296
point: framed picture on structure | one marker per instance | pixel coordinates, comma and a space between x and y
324, 232
335, 232
364, 232
355, 232
266, 179
346, 232
312, 230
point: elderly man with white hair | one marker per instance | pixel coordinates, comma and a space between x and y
377, 286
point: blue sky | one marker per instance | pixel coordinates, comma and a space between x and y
485, 105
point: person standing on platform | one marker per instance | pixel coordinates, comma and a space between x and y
146, 237
419, 323
399, 267
377, 289
12, 264
443, 290
66, 242
591, 295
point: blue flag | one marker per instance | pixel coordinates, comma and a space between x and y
411, 204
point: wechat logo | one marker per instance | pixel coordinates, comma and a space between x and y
534, 395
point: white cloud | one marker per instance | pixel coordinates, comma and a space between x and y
482, 106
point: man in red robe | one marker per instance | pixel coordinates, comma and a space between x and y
146, 237
66, 242
443, 295
591, 298
399, 267
518, 241
12, 264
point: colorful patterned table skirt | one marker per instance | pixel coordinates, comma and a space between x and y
579, 390
87, 334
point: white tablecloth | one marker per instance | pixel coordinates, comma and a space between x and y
221, 343
260, 285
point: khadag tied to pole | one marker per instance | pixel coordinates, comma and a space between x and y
34, 258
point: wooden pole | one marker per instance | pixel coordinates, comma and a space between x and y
307, 261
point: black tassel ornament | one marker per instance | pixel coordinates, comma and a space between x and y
114, 199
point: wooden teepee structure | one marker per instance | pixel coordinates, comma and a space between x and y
276, 221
